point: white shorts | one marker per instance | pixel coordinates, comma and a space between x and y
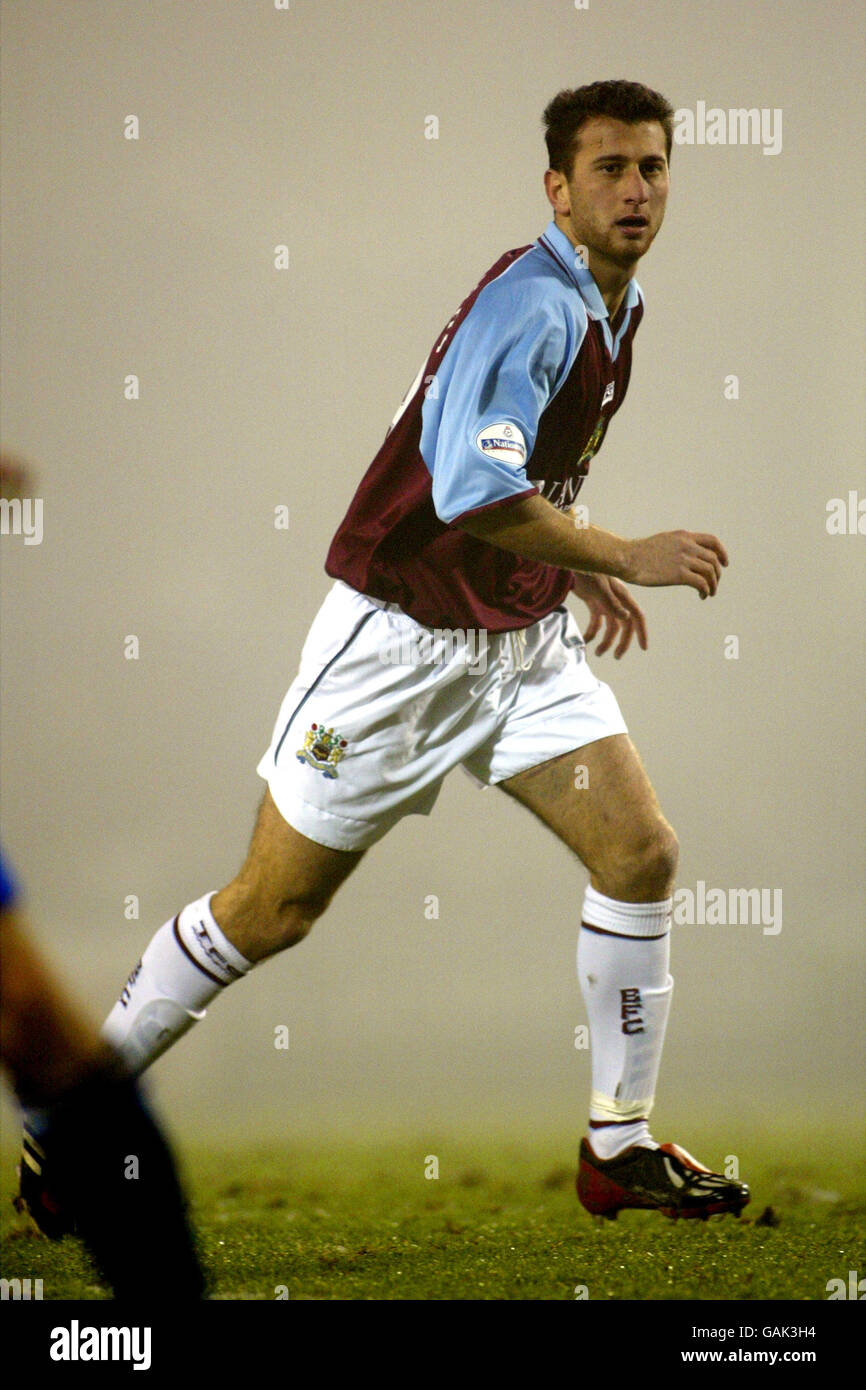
383, 708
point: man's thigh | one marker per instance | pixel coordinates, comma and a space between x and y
600, 802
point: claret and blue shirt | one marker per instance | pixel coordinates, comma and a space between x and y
514, 399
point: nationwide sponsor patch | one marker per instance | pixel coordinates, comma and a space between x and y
323, 749
502, 441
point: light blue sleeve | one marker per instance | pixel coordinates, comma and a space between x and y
480, 416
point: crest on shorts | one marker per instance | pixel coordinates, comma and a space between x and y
323, 749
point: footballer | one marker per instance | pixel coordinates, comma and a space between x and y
460, 548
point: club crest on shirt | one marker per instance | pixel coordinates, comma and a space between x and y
562, 492
323, 749
502, 441
593, 443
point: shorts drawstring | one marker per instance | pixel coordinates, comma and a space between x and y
517, 639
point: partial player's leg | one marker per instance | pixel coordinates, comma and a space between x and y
338, 778
84, 1118
46, 1043
286, 882
599, 801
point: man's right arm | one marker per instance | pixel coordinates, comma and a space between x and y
534, 529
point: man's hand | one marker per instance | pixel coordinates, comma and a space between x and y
610, 602
677, 557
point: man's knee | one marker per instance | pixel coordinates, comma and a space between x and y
261, 921
658, 863
291, 917
644, 869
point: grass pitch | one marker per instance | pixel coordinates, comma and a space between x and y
501, 1221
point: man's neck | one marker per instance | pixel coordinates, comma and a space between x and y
611, 279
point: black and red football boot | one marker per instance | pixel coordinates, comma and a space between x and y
666, 1179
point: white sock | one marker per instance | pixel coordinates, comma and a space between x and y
623, 955
186, 964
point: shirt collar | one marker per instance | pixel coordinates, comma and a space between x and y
570, 260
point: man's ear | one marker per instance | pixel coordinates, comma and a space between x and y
556, 188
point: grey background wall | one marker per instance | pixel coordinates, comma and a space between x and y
262, 387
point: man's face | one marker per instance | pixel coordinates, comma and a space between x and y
614, 200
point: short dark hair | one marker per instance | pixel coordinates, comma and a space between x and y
624, 101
